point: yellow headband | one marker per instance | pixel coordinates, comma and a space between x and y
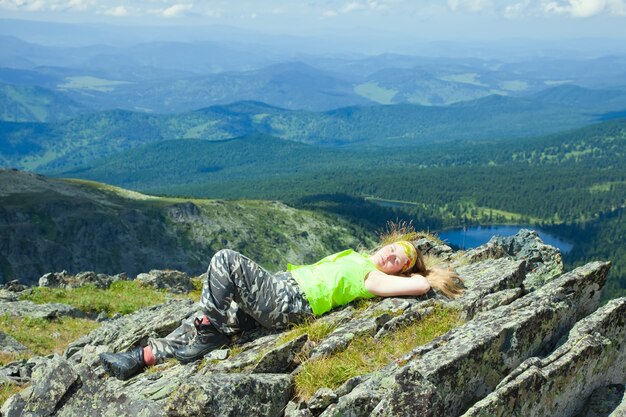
411, 252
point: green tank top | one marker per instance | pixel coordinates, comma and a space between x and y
333, 281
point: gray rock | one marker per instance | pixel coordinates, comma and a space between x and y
14, 286
218, 355
6, 295
485, 278
593, 356
604, 402
9, 345
173, 281
430, 247
322, 398
297, 409
281, 358
247, 359
408, 317
19, 372
473, 358
543, 262
341, 337
500, 298
39, 311
54, 279
51, 381
230, 395
65, 280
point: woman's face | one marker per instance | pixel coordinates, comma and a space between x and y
390, 259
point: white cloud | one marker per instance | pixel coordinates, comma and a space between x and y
176, 10
46, 5
585, 8
35, 6
516, 9
117, 11
351, 7
360, 5
470, 5
617, 7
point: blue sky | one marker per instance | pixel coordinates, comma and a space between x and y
432, 19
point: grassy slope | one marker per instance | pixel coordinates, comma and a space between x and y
79, 225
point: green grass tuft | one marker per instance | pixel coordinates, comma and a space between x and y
316, 330
366, 354
196, 293
122, 297
44, 336
7, 391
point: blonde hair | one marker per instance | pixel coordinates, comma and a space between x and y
443, 280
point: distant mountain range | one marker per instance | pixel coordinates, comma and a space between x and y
175, 77
36, 104
72, 143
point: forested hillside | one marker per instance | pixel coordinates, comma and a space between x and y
576, 180
48, 147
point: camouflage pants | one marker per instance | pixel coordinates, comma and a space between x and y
239, 295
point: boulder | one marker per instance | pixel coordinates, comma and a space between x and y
65, 280
51, 381
593, 357
14, 286
543, 262
231, 395
10, 345
47, 311
172, 281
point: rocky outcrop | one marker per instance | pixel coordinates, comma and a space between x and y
594, 356
65, 280
39, 311
173, 281
543, 262
524, 350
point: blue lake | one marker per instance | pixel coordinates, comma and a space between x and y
476, 236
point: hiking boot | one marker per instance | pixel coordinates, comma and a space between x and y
124, 364
207, 338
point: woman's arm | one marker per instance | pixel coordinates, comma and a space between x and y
383, 285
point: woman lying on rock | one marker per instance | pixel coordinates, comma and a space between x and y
277, 300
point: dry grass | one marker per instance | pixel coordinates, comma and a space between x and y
6, 357
403, 230
366, 354
7, 391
